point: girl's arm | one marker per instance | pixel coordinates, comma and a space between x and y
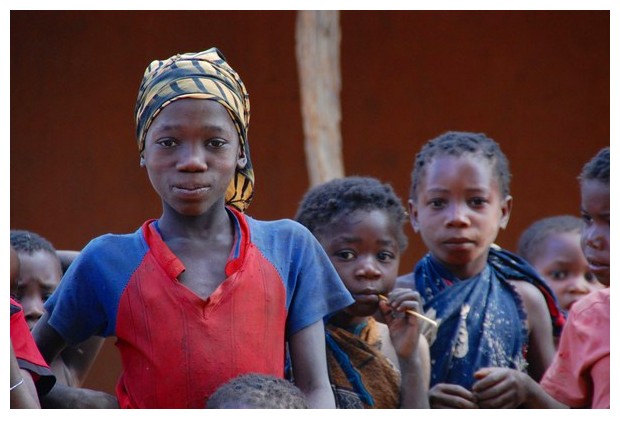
541, 347
309, 362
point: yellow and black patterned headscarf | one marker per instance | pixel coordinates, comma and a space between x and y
203, 75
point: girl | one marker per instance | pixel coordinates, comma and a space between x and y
204, 293
359, 222
492, 309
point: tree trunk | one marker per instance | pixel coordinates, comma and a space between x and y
318, 59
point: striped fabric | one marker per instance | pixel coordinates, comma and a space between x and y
203, 75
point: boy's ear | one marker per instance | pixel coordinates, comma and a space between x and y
506, 209
413, 216
241, 158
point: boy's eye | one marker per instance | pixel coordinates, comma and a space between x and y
587, 219
590, 278
436, 203
385, 257
558, 275
45, 296
345, 255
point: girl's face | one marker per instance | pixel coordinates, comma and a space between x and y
191, 154
39, 275
595, 232
458, 212
363, 247
561, 262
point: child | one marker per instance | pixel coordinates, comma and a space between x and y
30, 374
552, 246
491, 307
359, 222
579, 375
204, 293
39, 275
256, 391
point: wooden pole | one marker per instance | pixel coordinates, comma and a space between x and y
318, 60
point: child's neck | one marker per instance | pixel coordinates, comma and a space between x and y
353, 324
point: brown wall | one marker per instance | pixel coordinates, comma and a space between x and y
537, 82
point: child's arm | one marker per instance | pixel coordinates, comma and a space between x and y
509, 388
23, 390
541, 348
309, 362
50, 344
66, 258
78, 360
410, 346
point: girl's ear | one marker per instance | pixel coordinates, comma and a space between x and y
241, 158
142, 161
506, 208
413, 216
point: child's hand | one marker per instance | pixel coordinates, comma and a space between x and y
404, 328
499, 388
444, 395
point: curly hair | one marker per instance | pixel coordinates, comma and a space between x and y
536, 234
327, 203
597, 168
30, 242
459, 143
256, 391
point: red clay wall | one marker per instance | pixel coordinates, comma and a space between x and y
537, 82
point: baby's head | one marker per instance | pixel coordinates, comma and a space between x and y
552, 246
458, 144
595, 240
257, 391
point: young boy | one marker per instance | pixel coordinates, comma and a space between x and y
30, 374
39, 275
204, 293
552, 246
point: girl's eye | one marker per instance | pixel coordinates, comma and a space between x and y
345, 255
216, 143
477, 202
558, 275
166, 143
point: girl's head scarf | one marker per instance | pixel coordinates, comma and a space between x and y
202, 75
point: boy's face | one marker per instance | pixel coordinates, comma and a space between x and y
561, 262
191, 154
363, 247
459, 211
595, 232
39, 275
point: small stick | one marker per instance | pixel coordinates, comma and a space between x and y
413, 313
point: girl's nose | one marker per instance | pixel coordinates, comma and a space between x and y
192, 158
33, 309
457, 216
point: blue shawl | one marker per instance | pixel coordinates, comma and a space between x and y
482, 321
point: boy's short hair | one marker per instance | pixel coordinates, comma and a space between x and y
458, 143
597, 168
531, 240
30, 242
328, 202
257, 391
